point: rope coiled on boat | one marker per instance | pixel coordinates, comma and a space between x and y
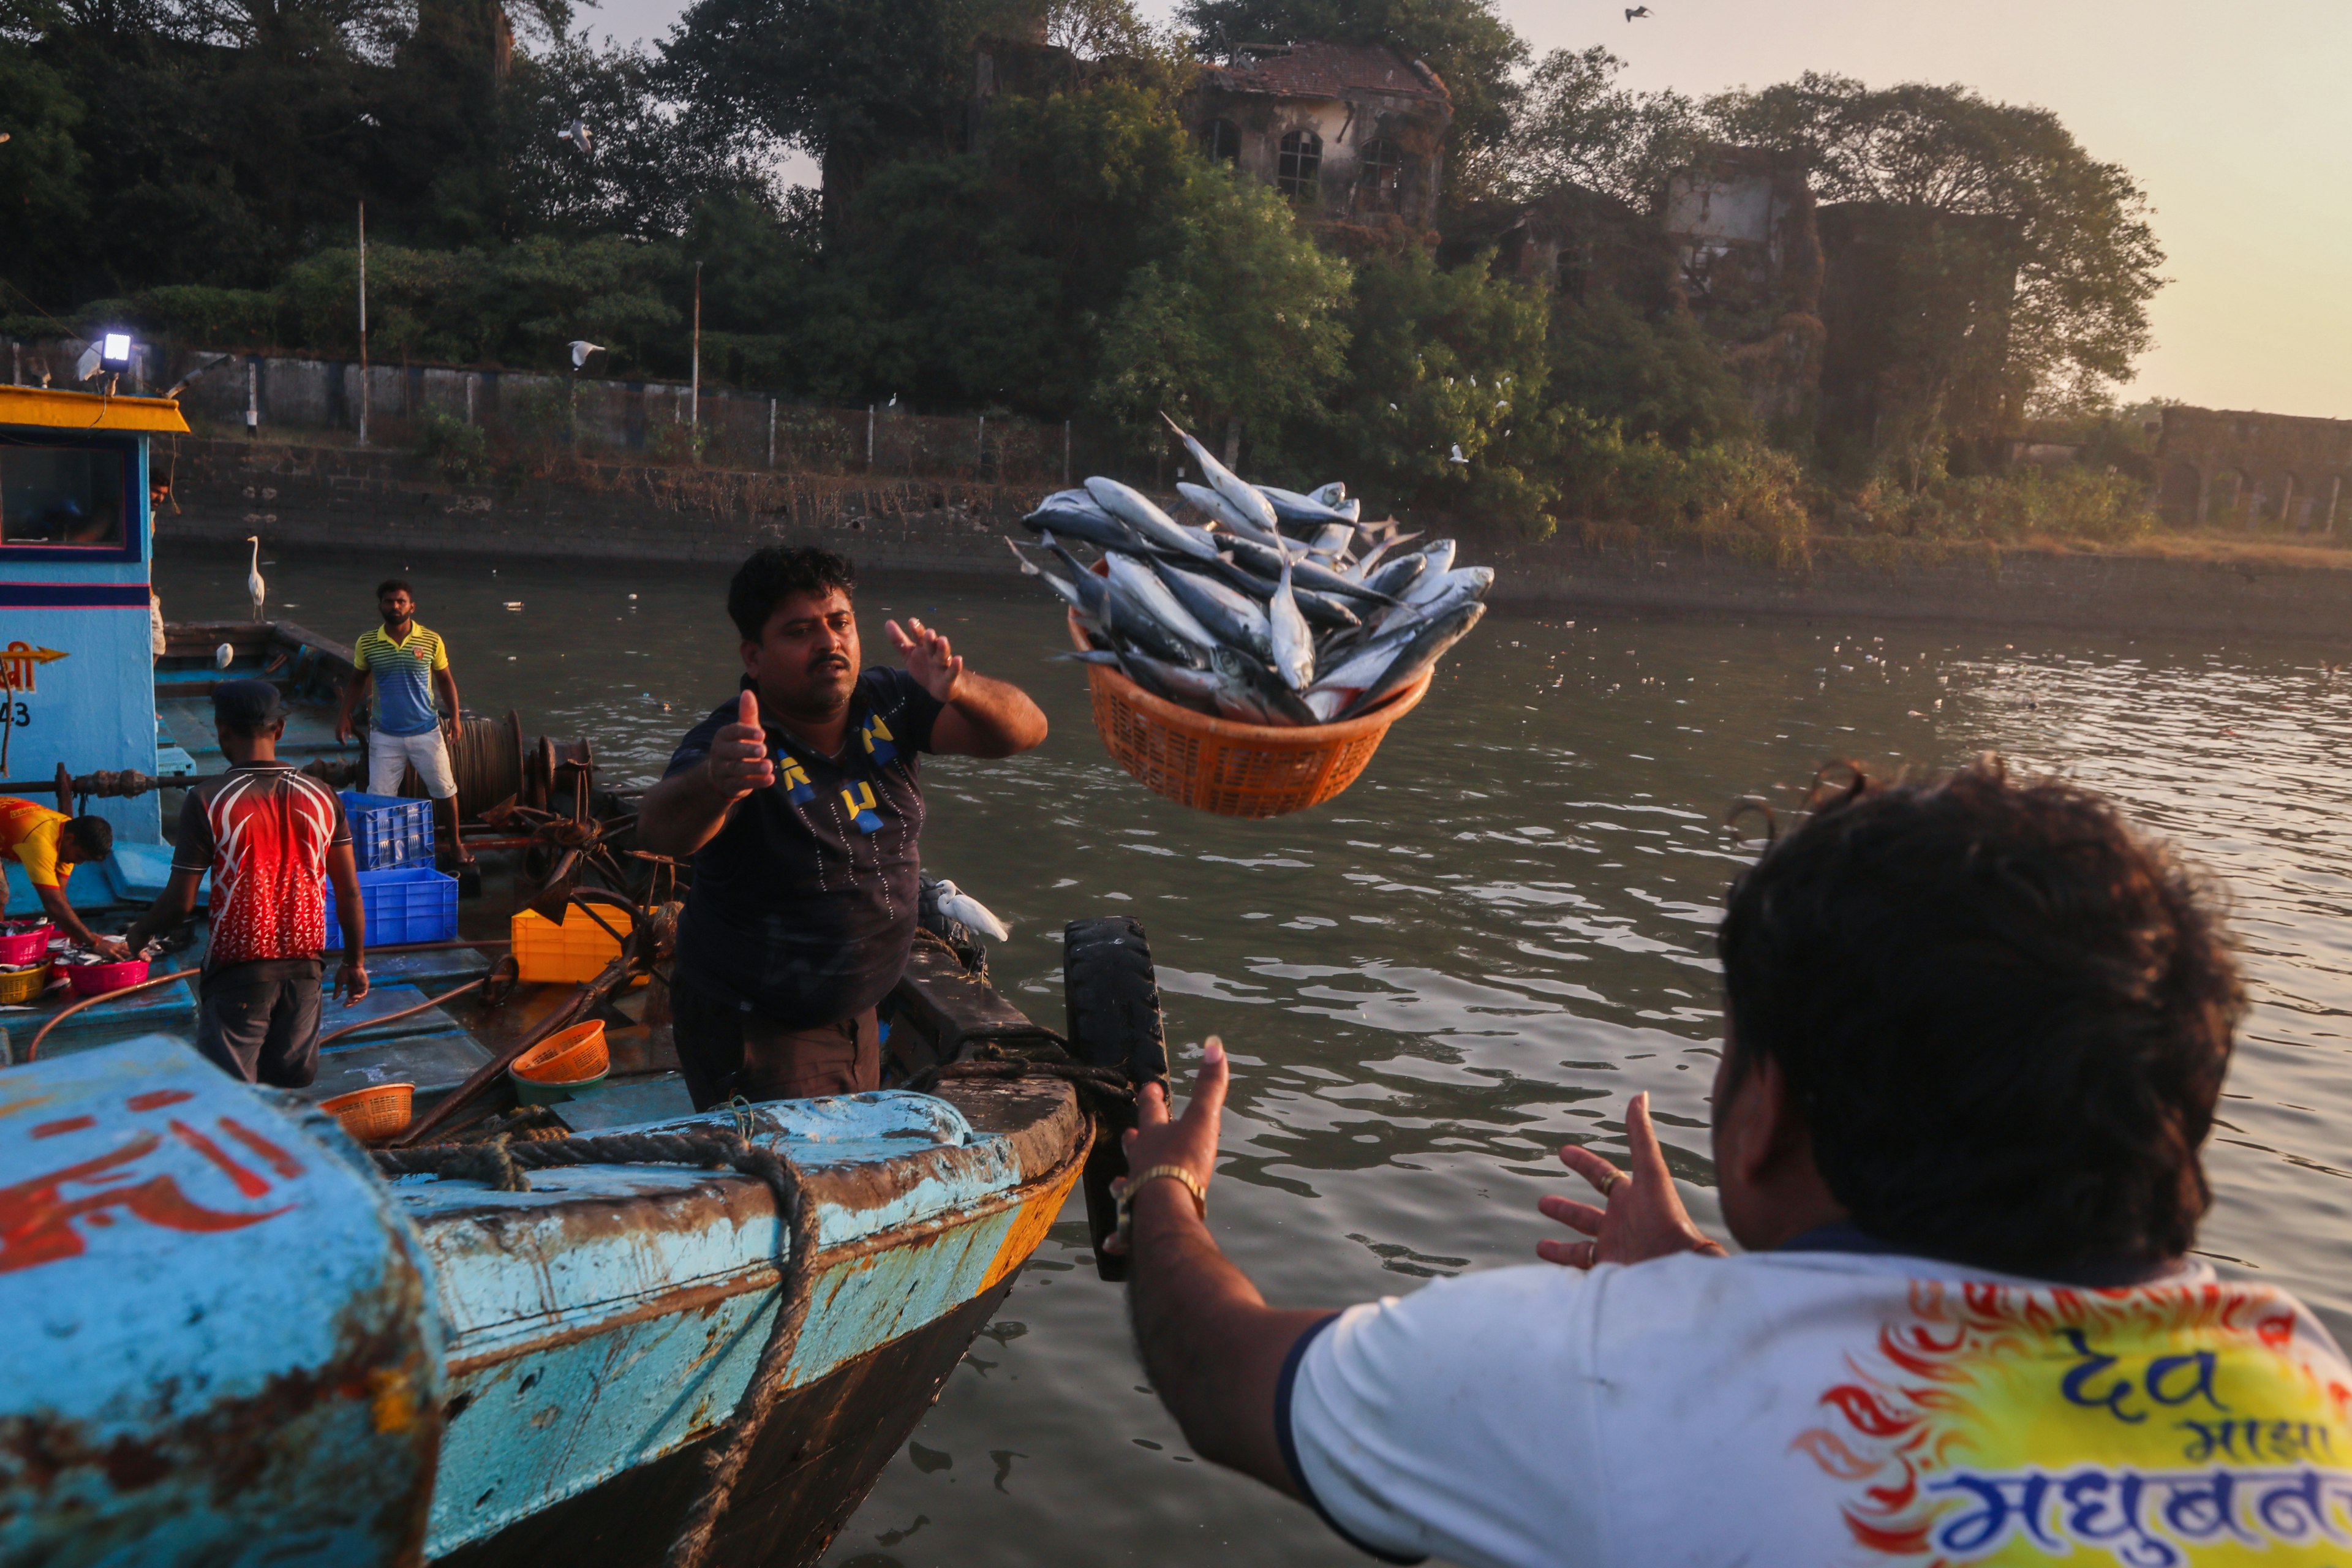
501, 1163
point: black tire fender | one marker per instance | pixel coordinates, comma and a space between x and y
1111, 998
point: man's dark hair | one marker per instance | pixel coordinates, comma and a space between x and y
773, 575
394, 585
2003, 1014
94, 835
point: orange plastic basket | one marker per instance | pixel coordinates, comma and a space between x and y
1235, 770
568, 1056
375, 1113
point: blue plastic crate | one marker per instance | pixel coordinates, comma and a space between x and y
407, 903
388, 831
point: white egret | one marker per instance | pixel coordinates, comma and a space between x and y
222, 656
252, 584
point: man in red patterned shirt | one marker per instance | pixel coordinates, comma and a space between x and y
271, 837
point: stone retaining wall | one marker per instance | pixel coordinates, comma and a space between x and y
307, 496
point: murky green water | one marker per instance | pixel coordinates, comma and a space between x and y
1478, 952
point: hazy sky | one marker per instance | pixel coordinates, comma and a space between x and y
2234, 118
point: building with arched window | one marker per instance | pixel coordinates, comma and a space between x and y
1354, 135
2273, 473
1298, 165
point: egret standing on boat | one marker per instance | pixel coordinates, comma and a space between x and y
407, 663
252, 584
272, 838
48, 845
799, 799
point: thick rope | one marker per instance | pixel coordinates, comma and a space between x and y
501, 1163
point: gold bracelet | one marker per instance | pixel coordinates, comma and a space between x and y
1135, 1184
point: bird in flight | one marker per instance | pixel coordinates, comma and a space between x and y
1636, 12
577, 134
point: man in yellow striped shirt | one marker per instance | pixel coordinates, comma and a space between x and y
407, 664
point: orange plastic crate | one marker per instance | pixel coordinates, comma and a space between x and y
1235, 770
579, 948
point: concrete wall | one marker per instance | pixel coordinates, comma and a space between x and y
298, 497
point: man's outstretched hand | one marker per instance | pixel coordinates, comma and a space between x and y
1189, 1140
936, 667
1641, 1217
739, 763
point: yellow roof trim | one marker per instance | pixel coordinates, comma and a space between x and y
57, 409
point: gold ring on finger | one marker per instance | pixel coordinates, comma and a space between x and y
1611, 1184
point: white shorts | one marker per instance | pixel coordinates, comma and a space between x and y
388, 754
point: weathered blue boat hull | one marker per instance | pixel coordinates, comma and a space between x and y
250, 1348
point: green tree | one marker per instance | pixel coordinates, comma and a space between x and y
1442, 401
2076, 229
1240, 318
855, 83
1659, 377
1466, 42
1575, 127
42, 171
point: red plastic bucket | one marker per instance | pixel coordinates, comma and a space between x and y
97, 979
18, 950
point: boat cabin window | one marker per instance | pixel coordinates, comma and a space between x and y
63, 497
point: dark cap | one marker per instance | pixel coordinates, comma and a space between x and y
246, 704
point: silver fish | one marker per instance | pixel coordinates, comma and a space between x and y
1137, 584
1225, 511
1093, 524
1326, 611
1235, 619
1331, 494
1362, 568
1292, 507
1398, 576
1227, 483
1441, 555
1252, 556
1154, 527
1426, 647
1253, 694
1437, 587
1333, 538
1294, 645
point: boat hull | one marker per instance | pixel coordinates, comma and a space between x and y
810, 1467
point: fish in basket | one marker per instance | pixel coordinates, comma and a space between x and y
1249, 666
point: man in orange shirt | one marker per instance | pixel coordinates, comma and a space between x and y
48, 845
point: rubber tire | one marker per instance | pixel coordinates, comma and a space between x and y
1111, 997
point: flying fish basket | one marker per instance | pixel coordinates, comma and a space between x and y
1229, 769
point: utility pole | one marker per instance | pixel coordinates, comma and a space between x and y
694, 388
364, 364
252, 397
771, 432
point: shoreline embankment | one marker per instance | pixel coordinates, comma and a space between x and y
302, 496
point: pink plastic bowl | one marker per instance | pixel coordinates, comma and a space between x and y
28, 948
97, 979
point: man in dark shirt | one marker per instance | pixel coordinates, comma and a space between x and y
800, 803
271, 837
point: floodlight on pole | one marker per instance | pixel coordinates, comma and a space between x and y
114, 351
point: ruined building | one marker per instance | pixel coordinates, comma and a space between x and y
1745, 256
1354, 135
2229, 468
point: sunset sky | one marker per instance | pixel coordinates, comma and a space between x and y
2234, 118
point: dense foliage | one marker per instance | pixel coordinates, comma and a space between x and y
194, 166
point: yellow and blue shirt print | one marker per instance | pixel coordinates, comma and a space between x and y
2149, 1428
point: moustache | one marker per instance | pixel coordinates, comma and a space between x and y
827, 661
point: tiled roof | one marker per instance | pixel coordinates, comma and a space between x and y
1328, 70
